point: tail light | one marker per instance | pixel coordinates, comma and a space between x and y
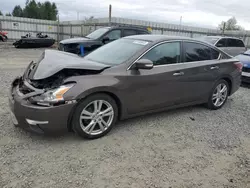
239, 66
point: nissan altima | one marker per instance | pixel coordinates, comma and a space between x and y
131, 76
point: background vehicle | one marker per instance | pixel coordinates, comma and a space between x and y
3, 36
39, 41
230, 45
245, 59
99, 37
147, 73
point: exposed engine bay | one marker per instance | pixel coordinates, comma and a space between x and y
57, 79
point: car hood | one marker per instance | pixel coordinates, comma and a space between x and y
245, 59
53, 61
76, 40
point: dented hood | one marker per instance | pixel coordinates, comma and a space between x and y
53, 61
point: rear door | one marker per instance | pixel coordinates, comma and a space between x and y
223, 45
235, 46
200, 71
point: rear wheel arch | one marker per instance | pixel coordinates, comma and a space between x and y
229, 81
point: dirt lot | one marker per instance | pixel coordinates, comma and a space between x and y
188, 147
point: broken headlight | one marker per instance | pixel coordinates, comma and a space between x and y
52, 96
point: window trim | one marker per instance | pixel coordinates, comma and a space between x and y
184, 58
155, 45
182, 51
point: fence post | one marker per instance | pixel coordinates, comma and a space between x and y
82, 30
37, 28
191, 34
70, 30
162, 30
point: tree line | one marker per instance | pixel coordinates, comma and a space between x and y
37, 10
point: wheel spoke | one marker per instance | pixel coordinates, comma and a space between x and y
107, 112
89, 128
86, 113
100, 105
104, 123
215, 96
217, 102
100, 125
224, 88
95, 106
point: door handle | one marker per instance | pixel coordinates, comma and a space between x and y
214, 67
178, 74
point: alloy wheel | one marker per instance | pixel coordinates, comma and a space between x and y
220, 95
96, 117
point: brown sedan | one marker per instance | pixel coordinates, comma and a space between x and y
128, 77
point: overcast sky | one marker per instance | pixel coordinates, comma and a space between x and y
206, 13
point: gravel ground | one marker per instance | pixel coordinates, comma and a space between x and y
189, 147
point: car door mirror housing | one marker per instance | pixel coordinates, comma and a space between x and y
105, 39
143, 64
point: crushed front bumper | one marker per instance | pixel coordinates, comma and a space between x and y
39, 119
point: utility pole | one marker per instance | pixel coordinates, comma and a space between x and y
77, 15
180, 24
110, 12
58, 28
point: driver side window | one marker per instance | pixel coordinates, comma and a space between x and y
167, 53
114, 35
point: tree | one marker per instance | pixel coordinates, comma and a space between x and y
8, 14
32, 9
1, 13
17, 11
230, 24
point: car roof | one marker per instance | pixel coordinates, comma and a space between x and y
154, 38
128, 27
220, 37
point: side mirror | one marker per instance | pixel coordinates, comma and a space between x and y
143, 64
105, 39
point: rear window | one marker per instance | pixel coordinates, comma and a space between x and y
235, 43
128, 32
117, 52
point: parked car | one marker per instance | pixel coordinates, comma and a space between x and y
232, 46
245, 59
131, 76
98, 38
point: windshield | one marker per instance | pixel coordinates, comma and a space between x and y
211, 40
116, 52
97, 33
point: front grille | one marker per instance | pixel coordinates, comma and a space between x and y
245, 69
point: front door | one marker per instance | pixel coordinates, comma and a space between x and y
160, 86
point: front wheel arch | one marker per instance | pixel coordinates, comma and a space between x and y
112, 95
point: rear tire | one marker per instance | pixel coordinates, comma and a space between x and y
218, 95
95, 116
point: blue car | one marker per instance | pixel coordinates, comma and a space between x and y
245, 59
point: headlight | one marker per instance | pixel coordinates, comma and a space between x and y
52, 96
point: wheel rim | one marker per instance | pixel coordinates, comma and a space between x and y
96, 117
219, 95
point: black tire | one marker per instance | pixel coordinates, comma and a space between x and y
210, 103
82, 104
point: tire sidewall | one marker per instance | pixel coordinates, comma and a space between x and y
82, 104
210, 102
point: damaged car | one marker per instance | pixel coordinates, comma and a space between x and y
131, 76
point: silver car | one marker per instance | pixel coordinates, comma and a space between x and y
230, 45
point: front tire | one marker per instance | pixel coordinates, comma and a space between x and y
218, 95
95, 116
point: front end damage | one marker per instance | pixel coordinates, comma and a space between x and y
39, 106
